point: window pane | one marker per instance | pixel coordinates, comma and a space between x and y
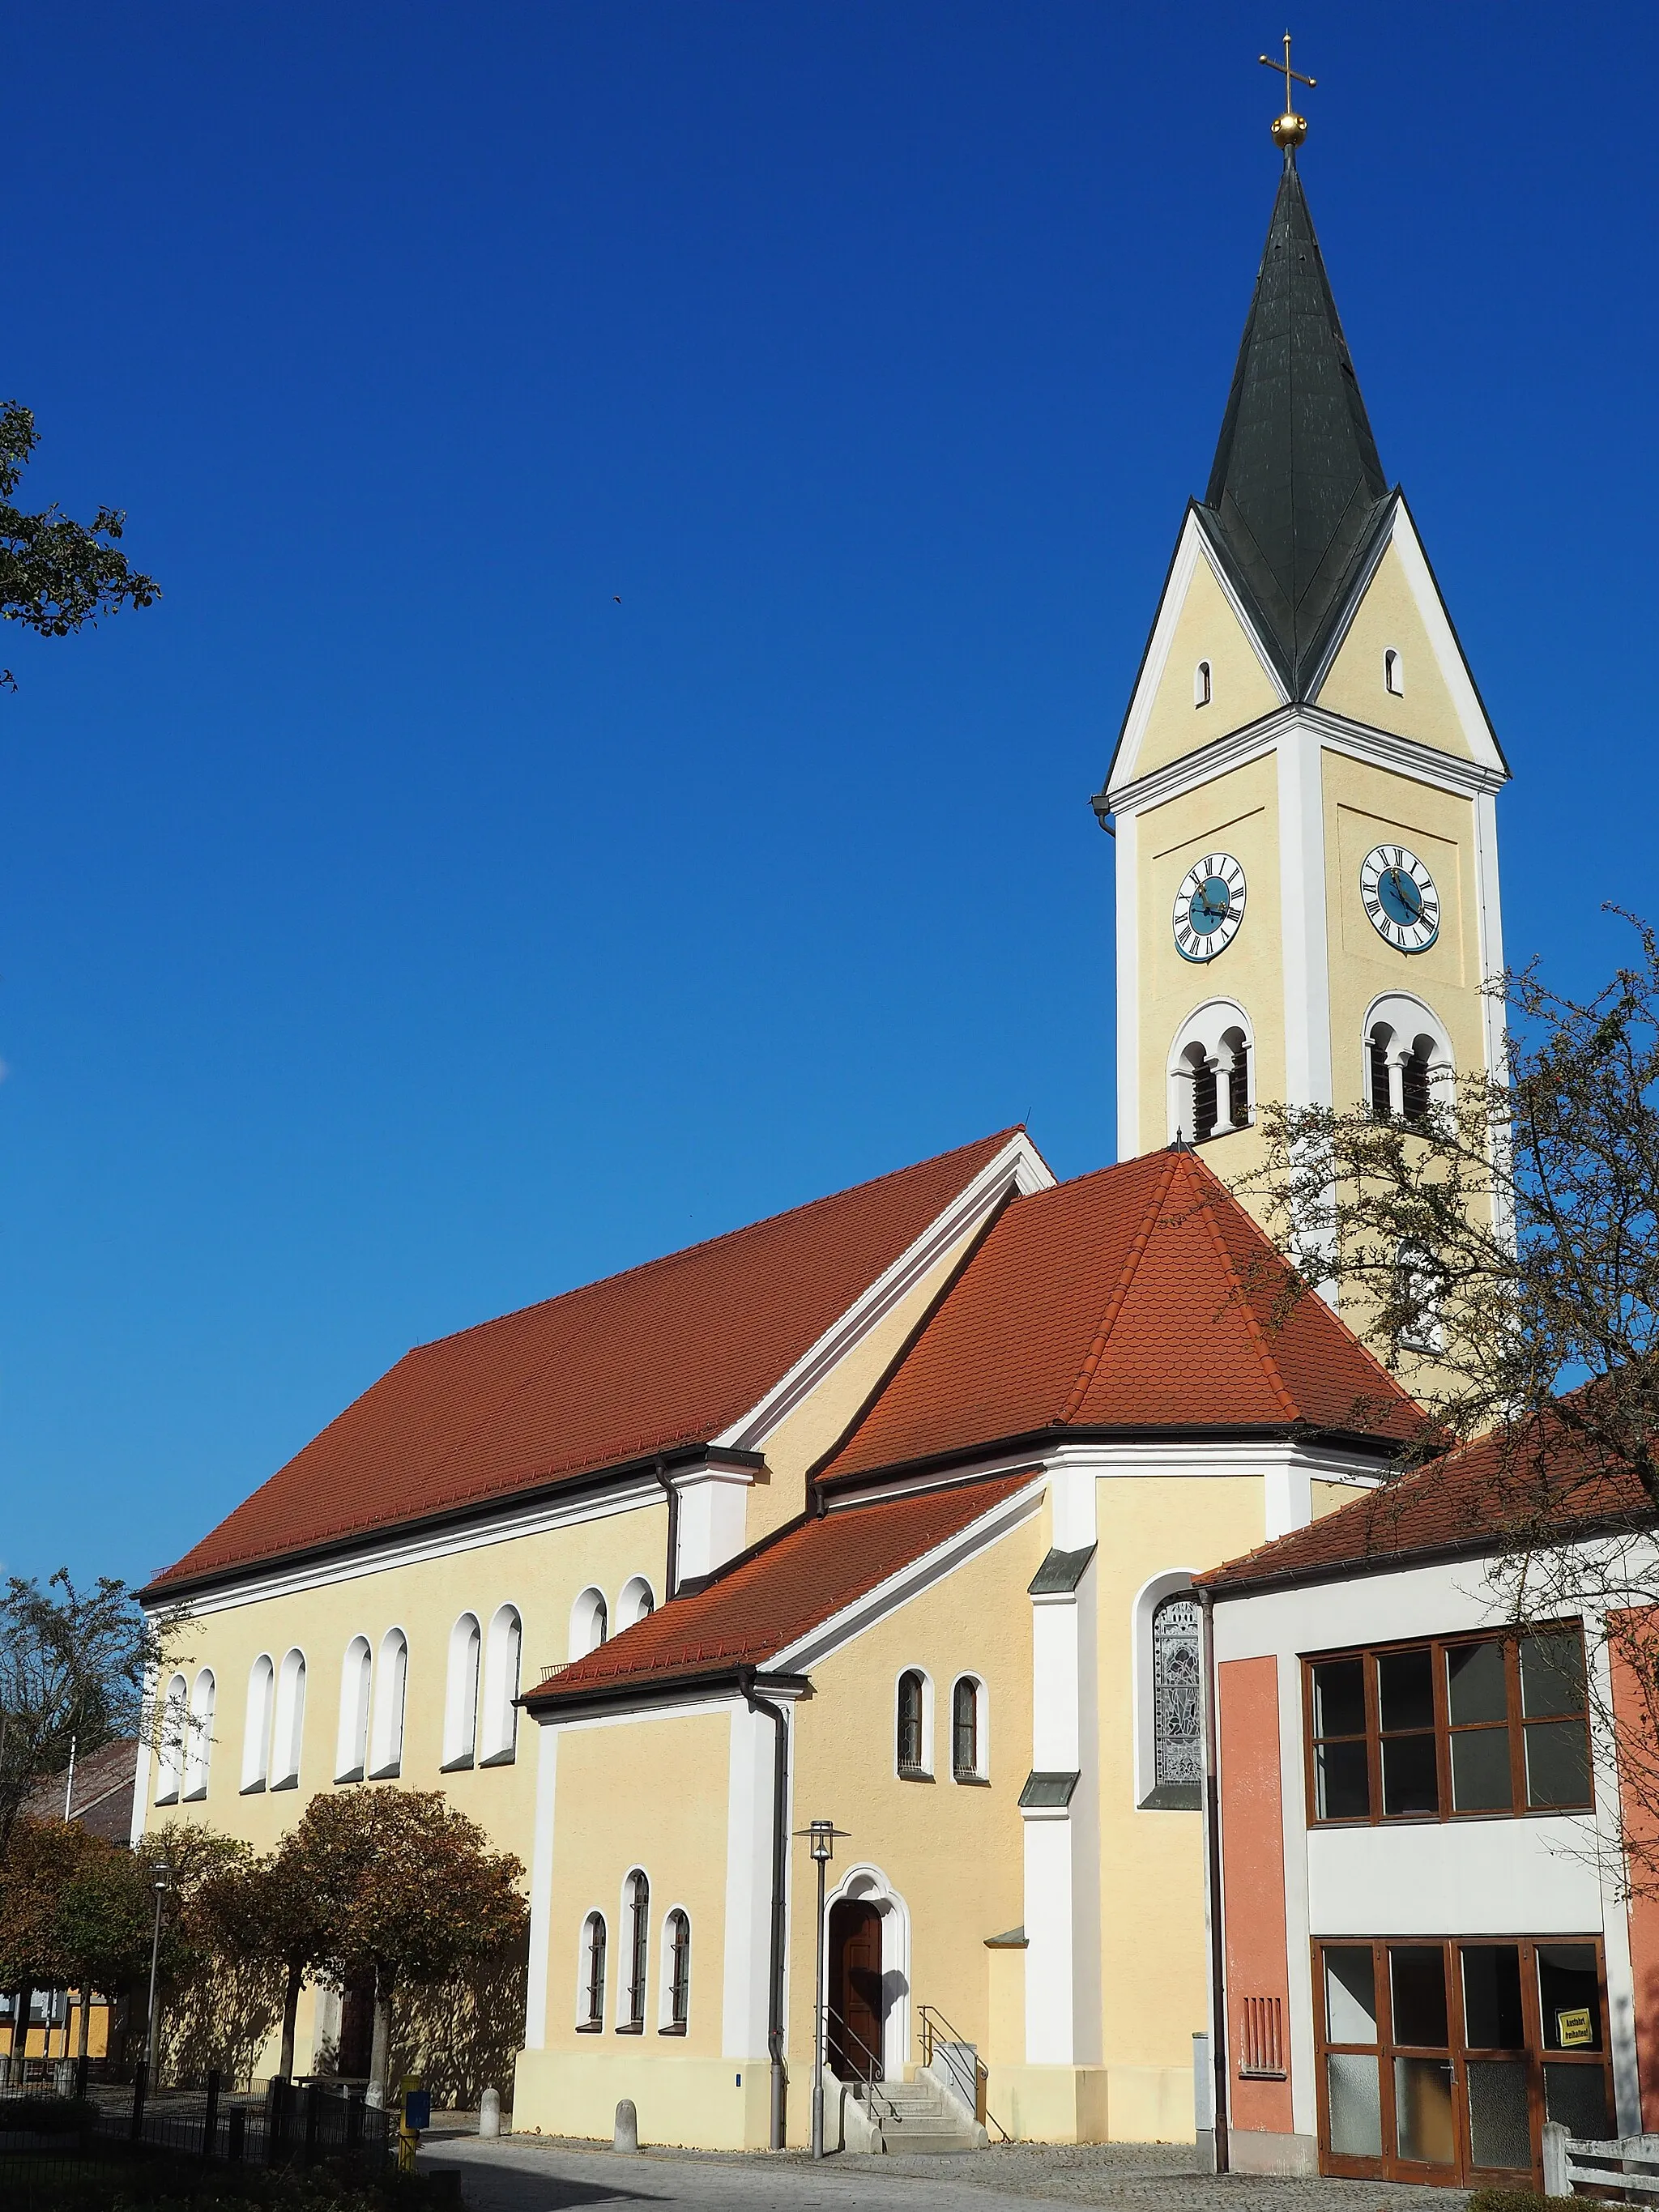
1480, 1770
1344, 1787
1423, 2110
1417, 1973
1558, 1763
1492, 2016
1578, 2097
1405, 1690
1500, 2132
1474, 1683
1411, 1778
1551, 1675
1339, 1698
1569, 1997
1350, 1994
1353, 2087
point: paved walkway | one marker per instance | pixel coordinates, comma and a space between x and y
539, 2173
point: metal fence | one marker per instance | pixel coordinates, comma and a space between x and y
47, 2138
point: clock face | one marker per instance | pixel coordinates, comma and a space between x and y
1209, 907
1401, 898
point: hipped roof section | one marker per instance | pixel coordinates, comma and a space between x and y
660, 1357
1140, 1298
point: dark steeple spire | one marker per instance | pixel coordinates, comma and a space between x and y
1296, 492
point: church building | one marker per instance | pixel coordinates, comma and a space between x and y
887, 1511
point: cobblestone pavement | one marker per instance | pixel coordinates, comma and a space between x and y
538, 2173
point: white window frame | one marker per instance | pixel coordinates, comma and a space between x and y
926, 1770
1205, 1030
1173, 1582
636, 1591
175, 1725
287, 1729
357, 1684
257, 1724
627, 2018
503, 1663
585, 2024
980, 1770
390, 1696
462, 1688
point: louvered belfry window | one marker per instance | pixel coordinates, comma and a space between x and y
1176, 1732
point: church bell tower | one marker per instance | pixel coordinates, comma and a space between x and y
1303, 791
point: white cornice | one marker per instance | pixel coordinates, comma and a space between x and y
1200, 1457
1381, 748
908, 1582
1018, 1166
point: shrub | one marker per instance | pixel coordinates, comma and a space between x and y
1520, 2200
47, 2116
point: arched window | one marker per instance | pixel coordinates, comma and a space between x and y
635, 1604
175, 1726
389, 1699
1201, 685
590, 2014
590, 1623
256, 1727
637, 1895
1177, 1737
198, 1747
351, 1744
461, 1693
1379, 1090
500, 1692
969, 1762
1394, 672
676, 1973
1408, 1061
912, 1723
1211, 1088
288, 1730
1415, 1096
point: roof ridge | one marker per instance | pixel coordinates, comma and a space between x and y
723, 1237
1252, 1326
1096, 1352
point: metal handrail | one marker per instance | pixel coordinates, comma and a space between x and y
932, 2020
868, 2081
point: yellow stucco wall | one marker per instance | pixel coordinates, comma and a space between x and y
1241, 689
1389, 616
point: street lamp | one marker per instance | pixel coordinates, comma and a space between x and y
163, 1883
821, 1844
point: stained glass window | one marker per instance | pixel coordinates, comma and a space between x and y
1176, 1732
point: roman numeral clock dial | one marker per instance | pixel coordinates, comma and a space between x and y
1208, 907
1399, 898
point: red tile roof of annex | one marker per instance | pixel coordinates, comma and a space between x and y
665, 1354
771, 1596
1138, 1297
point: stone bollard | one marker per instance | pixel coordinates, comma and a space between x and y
489, 2114
627, 2135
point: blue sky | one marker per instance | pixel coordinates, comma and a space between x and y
659, 506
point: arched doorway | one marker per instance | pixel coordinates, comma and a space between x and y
856, 2026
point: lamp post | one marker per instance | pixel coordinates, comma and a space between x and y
821, 1843
163, 1882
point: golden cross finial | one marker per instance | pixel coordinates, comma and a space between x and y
1289, 129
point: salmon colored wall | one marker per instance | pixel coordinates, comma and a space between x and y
1630, 1635
1253, 1867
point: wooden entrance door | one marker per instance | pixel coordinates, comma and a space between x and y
855, 2006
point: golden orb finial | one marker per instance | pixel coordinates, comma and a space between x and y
1289, 129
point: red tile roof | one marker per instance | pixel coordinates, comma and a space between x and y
1509, 1485
1138, 1297
770, 1598
666, 1354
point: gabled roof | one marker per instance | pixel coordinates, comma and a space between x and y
1509, 1485
1136, 1299
1297, 493
769, 1599
99, 1793
664, 1357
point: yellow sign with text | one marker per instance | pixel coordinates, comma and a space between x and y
1576, 2030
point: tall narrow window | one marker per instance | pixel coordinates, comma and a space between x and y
965, 1730
501, 1731
1201, 685
198, 1744
1202, 1074
910, 1760
287, 1731
175, 1726
639, 1939
677, 1938
256, 1727
1394, 672
635, 1604
351, 1746
1178, 1758
592, 2004
1238, 1078
1376, 1060
1414, 1090
389, 1698
590, 1623
461, 1694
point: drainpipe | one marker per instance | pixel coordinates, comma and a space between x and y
671, 1579
1212, 1870
780, 1870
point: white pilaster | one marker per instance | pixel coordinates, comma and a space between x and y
1128, 988
713, 1517
748, 1962
541, 1889
1302, 906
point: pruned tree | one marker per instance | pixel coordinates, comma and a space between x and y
1498, 1247
74, 1914
273, 1922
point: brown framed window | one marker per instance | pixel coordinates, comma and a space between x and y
639, 1937
909, 1746
592, 2018
1449, 1728
1441, 2058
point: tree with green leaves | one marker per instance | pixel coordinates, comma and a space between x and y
57, 574
273, 1918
